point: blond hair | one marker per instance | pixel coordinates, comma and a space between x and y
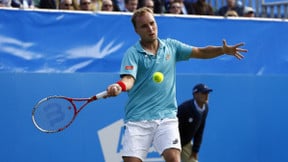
231, 13
140, 12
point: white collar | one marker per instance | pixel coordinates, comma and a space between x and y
198, 107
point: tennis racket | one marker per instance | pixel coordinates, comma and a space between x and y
56, 113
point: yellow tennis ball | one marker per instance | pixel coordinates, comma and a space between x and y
158, 77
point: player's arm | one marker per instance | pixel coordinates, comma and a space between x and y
124, 84
128, 80
215, 51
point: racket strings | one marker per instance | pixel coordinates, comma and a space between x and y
54, 114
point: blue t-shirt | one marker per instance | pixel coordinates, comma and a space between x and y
149, 100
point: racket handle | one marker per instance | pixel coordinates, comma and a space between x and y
101, 95
98, 96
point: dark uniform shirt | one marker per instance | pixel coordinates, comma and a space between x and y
191, 124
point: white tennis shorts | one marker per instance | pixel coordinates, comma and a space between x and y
140, 136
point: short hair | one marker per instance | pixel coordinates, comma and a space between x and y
140, 12
231, 13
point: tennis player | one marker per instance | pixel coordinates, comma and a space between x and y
150, 113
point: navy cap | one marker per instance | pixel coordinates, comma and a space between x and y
201, 88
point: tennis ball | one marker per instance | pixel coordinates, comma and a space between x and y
158, 77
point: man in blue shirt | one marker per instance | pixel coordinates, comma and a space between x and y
150, 113
230, 6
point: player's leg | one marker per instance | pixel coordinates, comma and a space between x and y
131, 159
171, 155
137, 141
167, 140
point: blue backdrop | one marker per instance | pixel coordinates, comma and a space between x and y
78, 54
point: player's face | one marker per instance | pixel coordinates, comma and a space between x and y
146, 27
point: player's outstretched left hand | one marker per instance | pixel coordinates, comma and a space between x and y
234, 50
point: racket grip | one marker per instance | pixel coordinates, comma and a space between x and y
101, 95
98, 96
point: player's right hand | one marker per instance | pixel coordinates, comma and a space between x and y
113, 90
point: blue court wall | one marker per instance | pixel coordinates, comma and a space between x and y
78, 54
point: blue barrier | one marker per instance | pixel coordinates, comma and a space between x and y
247, 120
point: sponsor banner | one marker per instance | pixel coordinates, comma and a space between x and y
44, 41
